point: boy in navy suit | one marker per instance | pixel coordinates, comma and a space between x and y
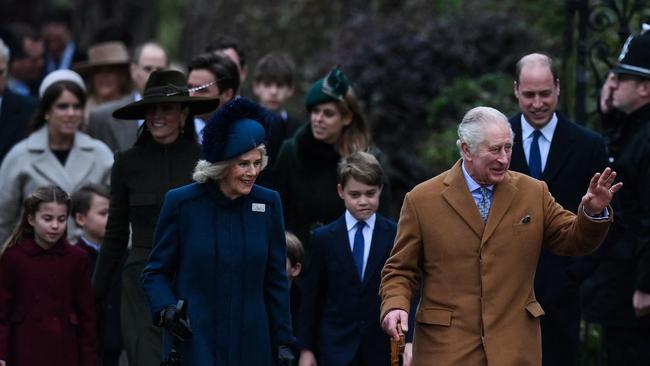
90, 212
339, 311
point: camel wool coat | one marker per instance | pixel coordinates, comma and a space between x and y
478, 305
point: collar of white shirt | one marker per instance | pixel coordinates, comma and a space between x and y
350, 221
547, 131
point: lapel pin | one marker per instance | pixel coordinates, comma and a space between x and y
525, 219
259, 207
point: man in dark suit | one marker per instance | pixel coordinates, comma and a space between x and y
15, 110
340, 303
121, 134
565, 155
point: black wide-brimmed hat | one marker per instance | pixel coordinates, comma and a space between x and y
635, 55
166, 86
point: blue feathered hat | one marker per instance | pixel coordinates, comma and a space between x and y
239, 126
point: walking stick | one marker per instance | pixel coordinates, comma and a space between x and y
397, 348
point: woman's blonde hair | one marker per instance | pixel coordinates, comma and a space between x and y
205, 170
31, 204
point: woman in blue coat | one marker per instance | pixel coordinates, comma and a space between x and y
220, 246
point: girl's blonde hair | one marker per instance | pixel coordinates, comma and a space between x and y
31, 204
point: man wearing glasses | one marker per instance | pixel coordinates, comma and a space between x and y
119, 134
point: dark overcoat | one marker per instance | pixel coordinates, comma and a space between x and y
625, 266
140, 178
15, 113
47, 313
227, 259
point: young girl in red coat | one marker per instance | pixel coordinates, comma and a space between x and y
47, 314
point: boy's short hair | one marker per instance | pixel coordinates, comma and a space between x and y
82, 198
275, 67
363, 167
295, 250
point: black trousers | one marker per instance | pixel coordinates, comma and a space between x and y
627, 346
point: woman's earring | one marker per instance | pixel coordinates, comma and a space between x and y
47, 117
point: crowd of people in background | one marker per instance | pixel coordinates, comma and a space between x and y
129, 182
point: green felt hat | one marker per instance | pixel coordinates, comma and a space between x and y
332, 88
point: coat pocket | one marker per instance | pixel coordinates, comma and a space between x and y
72, 318
434, 316
535, 309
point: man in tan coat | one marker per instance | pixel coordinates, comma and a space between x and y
470, 238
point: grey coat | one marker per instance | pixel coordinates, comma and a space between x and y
31, 164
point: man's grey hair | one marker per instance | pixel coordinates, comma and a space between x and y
471, 128
4, 51
205, 170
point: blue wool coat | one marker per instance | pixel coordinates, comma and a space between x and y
227, 259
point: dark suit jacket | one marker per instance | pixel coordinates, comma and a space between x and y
576, 153
338, 313
118, 134
15, 114
108, 321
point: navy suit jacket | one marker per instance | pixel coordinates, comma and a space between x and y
576, 153
338, 312
15, 114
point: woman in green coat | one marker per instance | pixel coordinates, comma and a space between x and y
305, 172
162, 158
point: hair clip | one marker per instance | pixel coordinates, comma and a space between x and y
201, 87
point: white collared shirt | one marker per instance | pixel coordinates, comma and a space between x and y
351, 223
544, 140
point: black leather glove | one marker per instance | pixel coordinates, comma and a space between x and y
285, 356
178, 326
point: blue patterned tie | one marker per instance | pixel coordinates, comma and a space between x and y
534, 157
357, 248
484, 204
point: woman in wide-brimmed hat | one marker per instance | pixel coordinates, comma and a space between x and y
106, 73
220, 246
161, 159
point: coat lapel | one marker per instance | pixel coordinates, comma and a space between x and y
504, 193
460, 199
561, 147
341, 247
518, 161
81, 160
46, 163
381, 243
